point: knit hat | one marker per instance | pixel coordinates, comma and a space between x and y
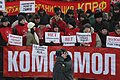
58, 53
4, 19
20, 17
30, 25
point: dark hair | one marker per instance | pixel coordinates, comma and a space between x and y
36, 16
56, 9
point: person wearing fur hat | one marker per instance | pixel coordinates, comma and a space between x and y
31, 35
21, 28
63, 66
5, 30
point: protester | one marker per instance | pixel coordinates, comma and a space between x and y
36, 20
58, 10
98, 21
63, 66
82, 20
21, 28
96, 42
44, 17
32, 37
5, 30
104, 32
90, 16
69, 14
116, 32
57, 19
71, 28
41, 33
56, 28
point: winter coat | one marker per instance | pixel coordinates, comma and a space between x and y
114, 34
30, 39
4, 33
62, 69
60, 23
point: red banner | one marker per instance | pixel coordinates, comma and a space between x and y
13, 7
88, 62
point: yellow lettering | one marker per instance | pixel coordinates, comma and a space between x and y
94, 6
87, 6
102, 5
80, 6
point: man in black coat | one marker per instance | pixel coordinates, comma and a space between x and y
63, 67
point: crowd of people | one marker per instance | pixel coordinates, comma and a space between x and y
32, 27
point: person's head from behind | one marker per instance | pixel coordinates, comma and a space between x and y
117, 29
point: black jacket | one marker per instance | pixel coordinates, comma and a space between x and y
62, 69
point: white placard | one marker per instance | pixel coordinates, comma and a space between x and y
52, 37
39, 50
68, 39
15, 40
2, 5
84, 37
27, 6
113, 42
